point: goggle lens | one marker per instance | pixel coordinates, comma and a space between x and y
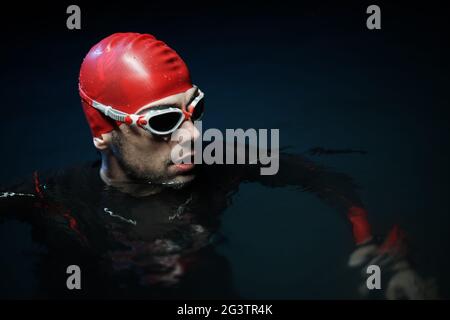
165, 122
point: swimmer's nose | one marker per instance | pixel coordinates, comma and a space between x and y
194, 133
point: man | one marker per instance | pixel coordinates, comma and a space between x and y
138, 223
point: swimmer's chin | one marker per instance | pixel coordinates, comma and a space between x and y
180, 181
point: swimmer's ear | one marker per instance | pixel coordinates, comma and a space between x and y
102, 142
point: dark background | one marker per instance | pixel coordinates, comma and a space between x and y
312, 69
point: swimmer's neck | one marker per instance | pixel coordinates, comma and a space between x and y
113, 175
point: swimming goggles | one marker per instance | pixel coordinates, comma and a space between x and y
159, 121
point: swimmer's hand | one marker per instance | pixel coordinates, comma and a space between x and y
398, 278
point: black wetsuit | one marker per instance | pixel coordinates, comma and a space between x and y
151, 247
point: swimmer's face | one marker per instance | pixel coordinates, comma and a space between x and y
144, 156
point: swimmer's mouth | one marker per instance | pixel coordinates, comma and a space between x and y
184, 167
183, 164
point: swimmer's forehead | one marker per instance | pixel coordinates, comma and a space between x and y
177, 100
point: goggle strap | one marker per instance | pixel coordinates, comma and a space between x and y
113, 113
106, 110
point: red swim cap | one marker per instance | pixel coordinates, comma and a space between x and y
128, 71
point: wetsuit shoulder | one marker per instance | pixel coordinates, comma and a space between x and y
72, 179
53, 202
